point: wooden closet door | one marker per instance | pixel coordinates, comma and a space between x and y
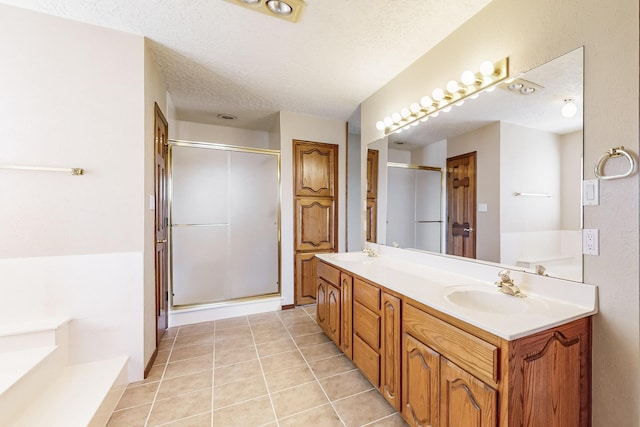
315, 202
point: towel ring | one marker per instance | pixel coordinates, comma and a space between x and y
615, 152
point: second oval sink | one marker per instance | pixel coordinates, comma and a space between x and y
491, 301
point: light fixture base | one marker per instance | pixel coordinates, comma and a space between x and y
262, 6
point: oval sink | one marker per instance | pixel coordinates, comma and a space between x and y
492, 301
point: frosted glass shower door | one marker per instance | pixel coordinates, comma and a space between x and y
224, 228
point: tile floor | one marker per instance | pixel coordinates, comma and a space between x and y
274, 370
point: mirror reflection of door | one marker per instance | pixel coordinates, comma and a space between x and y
372, 195
461, 203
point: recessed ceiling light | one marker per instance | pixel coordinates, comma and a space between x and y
225, 116
251, 1
279, 7
527, 90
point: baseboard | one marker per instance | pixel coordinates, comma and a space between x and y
288, 306
150, 364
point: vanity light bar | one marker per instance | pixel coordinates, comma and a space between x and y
455, 92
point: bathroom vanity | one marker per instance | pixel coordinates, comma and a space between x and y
448, 349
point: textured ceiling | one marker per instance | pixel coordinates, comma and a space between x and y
218, 57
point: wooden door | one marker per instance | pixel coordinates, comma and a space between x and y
316, 211
372, 195
461, 205
465, 401
420, 383
391, 340
161, 131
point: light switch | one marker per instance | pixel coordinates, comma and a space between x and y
152, 203
590, 192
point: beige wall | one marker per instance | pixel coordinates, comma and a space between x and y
531, 33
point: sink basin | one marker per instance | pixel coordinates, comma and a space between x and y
351, 256
489, 300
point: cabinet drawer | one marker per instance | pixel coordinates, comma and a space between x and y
328, 273
368, 360
366, 294
366, 324
468, 351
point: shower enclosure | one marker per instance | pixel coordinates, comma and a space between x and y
225, 216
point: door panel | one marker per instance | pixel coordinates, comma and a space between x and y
161, 131
391, 325
315, 169
314, 224
420, 383
461, 205
305, 278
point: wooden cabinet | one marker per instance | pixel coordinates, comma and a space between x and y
328, 312
439, 371
346, 332
376, 338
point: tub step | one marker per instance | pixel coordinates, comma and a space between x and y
33, 333
80, 395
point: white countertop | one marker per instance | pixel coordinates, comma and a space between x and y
456, 288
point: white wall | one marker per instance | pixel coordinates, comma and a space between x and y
315, 129
571, 184
68, 101
609, 33
199, 132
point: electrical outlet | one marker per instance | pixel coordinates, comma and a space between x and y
590, 242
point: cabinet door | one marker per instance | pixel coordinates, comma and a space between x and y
321, 305
372, 174
420, 383
315, 169
391, 324
314, 224
346, 291
372, 220
333, 313
305, 271
465, 401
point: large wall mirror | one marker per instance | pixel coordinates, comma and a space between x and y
497, 179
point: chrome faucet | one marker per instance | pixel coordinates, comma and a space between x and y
370, 252
507, 286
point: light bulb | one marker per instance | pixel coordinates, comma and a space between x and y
426, 101
398, 131
405, 113
438, 94
424, 119
388, 121
397, 118
569, 109
416, 123
460, 103
453, 86
486, 68
491, 89
380, 125
435, 114
415, 107
446, 109
468, 78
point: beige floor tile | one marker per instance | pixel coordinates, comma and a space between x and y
297, 399
311, 339
296, 312
268, 327
166, 344
310, 309
345, 385
298, 321
363, 408
194, 339
256, 319
287, 378
232, 342
185, 384
239, 391
136, 396
282, 361
275, 347
188, 366
233, 332
171, 333
271, 335
202, 420
183, 353
231, 357
324, 416
304, 330
332, 366
178, 407
132, 417
252, 413
162, 357
236, 372
231, 323
394, 420
320, 351
197, 328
